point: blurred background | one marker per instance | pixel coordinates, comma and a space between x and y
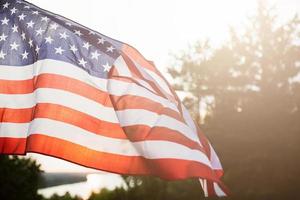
236, 66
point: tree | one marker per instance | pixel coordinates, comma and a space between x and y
150, 188
253, 104
66, 196
19, 178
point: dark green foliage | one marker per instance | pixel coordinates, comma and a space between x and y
116, 194
19, 178
66, 196
150, 188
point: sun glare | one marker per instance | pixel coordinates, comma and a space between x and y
94, 181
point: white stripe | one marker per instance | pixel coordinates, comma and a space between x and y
81, 137
214, 160
139, 116
219, 192
163, 149
76, 102
60, 97
122, 67
50, 66
16, 73
203, 183
187, 118
74, 134
13, 130
17, 100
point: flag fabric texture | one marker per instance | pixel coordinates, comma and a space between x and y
70, 92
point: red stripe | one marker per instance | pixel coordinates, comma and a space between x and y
137, 102
16, 86
74, 86
79, 119
210, 188
16, 115
134, 165
219, 172
141, 133
57, 82
12, 145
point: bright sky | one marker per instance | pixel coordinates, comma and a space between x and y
157, 28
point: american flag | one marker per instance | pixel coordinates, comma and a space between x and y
70, 92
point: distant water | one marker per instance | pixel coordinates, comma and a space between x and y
94, 183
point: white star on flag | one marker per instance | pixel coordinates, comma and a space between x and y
21, 17
5, 21
30, 24
23, 36
13, 10
39, 31
3, 37
53, 26
30, 42
111, 48
2, 54
95, 55
77, 32
25, 55
35, 12
37, 49
59, 50
14, 46
48, 40
5, 5
45, 19
100, 41
82, 62
63, 35
73, 48
15, 28
86, 45
106, 67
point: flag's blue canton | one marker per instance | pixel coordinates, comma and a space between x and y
28, 34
